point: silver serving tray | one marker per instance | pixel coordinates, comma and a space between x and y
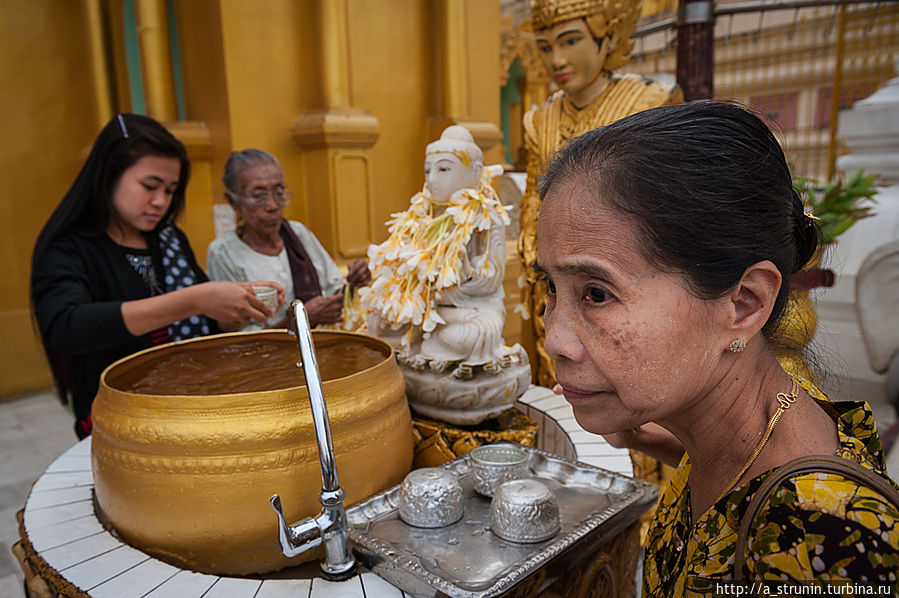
466, 560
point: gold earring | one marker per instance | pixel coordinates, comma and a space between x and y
737, 346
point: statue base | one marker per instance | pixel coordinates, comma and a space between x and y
471, 400
438, 442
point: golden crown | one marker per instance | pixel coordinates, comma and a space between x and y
614, 18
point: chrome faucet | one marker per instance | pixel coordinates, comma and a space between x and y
330, 527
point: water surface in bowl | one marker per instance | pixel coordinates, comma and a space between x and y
251, 365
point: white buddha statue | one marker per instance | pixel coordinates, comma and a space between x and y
437, 292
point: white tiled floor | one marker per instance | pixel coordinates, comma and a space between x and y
34, 430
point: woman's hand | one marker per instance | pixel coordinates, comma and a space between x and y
274, 285
325, 310
358, 274
234, 304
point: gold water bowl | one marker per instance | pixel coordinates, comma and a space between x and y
185, 456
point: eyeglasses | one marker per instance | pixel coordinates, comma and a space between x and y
282, 196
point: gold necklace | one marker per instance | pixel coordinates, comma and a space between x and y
784, 401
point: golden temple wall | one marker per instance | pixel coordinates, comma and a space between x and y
48, 116
346, 93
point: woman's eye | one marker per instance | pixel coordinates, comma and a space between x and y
597, 295
571, 41
545, 49
149, 186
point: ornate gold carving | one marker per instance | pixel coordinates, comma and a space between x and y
518, 43
439, 442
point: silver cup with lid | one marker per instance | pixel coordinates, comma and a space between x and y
430, 497
524, 511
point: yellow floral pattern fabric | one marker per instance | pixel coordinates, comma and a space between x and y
816, 526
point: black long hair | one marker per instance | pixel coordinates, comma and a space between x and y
708, 187
86, 208
87, 205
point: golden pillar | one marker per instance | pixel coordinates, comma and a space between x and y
97, 44
159, 97
156, 59
454, 52
336, 140
455, 62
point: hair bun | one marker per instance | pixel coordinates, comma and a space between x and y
805, 233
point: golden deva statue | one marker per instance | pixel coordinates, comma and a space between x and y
581, 42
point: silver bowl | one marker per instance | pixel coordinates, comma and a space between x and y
494, 465
524, 511
430, 497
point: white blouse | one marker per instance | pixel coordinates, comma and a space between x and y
229, 258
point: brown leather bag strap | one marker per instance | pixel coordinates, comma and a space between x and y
804, 465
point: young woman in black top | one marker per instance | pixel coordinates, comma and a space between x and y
112, 274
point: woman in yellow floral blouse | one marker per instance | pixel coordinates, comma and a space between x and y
667, 240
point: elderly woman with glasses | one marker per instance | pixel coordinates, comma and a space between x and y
266, 246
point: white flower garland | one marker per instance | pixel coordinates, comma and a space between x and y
424, 256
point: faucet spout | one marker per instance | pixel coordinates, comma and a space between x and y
330, 526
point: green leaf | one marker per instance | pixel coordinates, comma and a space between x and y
839, 204
842, 227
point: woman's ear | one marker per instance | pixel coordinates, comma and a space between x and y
233, 201
750, 302
235, 205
